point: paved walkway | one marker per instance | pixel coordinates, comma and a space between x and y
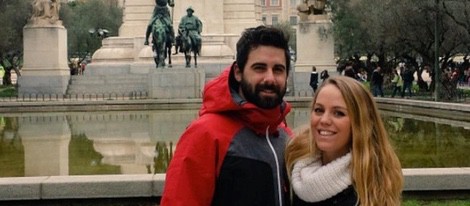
130, 186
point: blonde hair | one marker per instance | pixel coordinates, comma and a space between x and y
375, 169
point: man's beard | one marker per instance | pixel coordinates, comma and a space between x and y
255, 97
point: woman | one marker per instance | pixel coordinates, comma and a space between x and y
314, 79
345, 156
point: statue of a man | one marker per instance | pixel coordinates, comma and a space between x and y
161, 12
191, 24
46, 10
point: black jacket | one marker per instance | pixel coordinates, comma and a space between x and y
314, 79
347, 197
377, 78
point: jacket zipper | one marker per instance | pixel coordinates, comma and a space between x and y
278, 171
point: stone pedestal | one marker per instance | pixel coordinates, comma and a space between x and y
137, 14
223, 22
45, 68
129, 51
176, 83
315, 45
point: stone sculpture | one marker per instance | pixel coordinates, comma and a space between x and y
305, 9
45, 12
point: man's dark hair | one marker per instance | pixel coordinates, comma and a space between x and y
261, 36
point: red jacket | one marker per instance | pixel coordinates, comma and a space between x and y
226, 156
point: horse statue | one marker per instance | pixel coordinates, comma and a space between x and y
161, 43
189, 44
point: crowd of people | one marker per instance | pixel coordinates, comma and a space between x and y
77, 67
459, 76
405, 79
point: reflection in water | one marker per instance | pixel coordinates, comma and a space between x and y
84, 160
123, 142
163, 155
429, 144
11, 149
142, 142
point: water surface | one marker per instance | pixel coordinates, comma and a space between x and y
141, 142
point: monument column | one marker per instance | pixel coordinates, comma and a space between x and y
45, 67
239, 15
137, 14
315, 44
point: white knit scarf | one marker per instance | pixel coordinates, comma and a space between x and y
314, 182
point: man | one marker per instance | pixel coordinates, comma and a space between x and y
376, 81
161, 12
349, 71
192, 25
233, 153
408, 79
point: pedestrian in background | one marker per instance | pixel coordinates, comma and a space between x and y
408, 79
397, 82
314, 79
377, 81
349, 71
324, 75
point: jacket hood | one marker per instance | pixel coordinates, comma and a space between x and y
221, 96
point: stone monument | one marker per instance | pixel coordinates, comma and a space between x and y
45, 68
223, 22
315, 43
126, 54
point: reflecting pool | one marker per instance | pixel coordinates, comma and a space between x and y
141, 142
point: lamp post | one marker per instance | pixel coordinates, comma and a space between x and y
437, 71
101, 33
94, 42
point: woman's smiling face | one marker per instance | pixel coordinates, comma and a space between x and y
331, 124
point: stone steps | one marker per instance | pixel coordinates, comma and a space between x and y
122, 85
128, 79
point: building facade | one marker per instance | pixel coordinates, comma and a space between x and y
278, 11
